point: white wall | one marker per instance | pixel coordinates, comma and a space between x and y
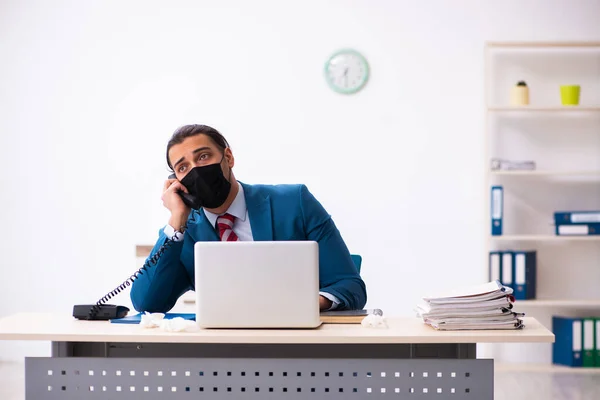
91, 91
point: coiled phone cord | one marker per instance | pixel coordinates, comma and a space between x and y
95, 309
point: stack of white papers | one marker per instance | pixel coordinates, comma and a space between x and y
487, 306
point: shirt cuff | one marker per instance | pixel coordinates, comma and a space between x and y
334, 300
171, 234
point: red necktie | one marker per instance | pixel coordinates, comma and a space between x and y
225, 225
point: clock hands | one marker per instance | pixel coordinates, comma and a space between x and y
346, 76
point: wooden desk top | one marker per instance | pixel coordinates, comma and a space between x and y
64, 328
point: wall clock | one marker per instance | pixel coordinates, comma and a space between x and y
346, 71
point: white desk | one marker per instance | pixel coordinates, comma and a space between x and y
100, 360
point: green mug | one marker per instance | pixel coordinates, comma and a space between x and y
569, 94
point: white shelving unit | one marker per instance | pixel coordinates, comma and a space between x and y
569, 303
545, 238
564, 141
544, 109
545, 173
544, 368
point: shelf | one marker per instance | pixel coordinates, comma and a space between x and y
543, 44
545, 109
594, 304
545, 173
549, 238
544, 368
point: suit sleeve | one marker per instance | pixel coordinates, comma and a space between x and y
160, 285
337, 273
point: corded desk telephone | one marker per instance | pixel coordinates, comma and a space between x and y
187, 198
103, 311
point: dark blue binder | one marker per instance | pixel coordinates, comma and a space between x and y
576, 217
135, 319
497, 209
524, 274
567, 346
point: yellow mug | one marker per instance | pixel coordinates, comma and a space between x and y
569, 95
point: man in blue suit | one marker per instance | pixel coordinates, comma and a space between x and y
220, 208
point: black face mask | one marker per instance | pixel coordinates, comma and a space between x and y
207, 185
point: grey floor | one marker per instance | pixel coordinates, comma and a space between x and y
510, 384
12, 381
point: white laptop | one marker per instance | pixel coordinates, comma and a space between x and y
259, 284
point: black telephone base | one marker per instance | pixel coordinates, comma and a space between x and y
105, 312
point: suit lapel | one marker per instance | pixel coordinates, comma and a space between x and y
259, 212
202, 231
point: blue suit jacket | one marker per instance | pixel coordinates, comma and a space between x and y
276, 212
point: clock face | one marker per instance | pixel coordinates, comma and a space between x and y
346, 71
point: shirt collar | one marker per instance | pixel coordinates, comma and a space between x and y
237, 208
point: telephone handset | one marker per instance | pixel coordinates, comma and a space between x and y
103, 311
188, 199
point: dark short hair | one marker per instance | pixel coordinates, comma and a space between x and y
187, 131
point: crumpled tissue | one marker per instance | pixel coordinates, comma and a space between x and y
374, 321
177, 324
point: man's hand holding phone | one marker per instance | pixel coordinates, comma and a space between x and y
173, 202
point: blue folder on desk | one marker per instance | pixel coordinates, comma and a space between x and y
135, 319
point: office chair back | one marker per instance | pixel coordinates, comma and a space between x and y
357, 261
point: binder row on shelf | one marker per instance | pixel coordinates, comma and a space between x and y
577, 222
516, 269
566, 223
577, 341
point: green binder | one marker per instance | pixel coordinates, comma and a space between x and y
589, 345
597, 342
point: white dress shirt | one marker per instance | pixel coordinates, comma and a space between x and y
241, 227
241, 224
